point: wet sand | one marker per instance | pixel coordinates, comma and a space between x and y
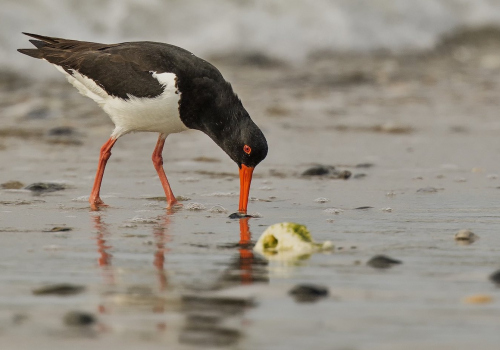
189, 279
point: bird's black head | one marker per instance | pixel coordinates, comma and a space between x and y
247, 146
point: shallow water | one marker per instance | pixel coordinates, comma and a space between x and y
188, 279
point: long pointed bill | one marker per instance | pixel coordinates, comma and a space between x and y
245, 180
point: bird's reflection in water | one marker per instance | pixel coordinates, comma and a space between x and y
207, 314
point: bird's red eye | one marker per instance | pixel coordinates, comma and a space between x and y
247, 149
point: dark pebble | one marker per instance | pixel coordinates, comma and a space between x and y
308, 292
427, 190
42, 187
59, 289
495, 277
239, 216
319, 170
344, 174
363, 208
78, 319
382, 262
60, 229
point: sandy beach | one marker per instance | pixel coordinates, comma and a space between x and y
419, 133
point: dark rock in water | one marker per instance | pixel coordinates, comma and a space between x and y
319, 170
59, 289
60, 229
78, 319
327, 171
382, 262
495, 277
308, 292
239, 216
363, 208
12, 185
359, 176
42, 187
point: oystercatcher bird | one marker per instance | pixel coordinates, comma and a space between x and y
156, 87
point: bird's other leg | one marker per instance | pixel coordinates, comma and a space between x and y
94, 199
158, 163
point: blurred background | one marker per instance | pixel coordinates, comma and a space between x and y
289, 30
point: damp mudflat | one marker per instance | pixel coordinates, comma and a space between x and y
419, 136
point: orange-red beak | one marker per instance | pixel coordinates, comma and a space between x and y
245, 180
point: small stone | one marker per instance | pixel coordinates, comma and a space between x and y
387, 210
238, 215
321, 200
478, 299
382, 262
308, 292
363, 208
78, 319
60, 229
465, 235
427, 190
59, 289
495, 277
12, 185
318, 170
43, 187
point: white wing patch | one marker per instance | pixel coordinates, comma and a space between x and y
158, 114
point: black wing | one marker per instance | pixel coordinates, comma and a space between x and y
122, 69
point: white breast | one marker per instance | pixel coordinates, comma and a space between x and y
159, 114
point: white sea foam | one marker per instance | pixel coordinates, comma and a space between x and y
287, 29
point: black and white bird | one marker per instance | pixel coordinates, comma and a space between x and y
156, 87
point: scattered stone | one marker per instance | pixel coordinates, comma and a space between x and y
466, 235
59, 289
308, 292
238, 215
427, 190
60, 229
478, 299
43, 187
363, 208
495, 277
195, 206
12, 185
382, 262
318, 170
321, 200
78, 319
327, 170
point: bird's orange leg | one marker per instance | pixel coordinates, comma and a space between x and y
95, 201
158, 163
